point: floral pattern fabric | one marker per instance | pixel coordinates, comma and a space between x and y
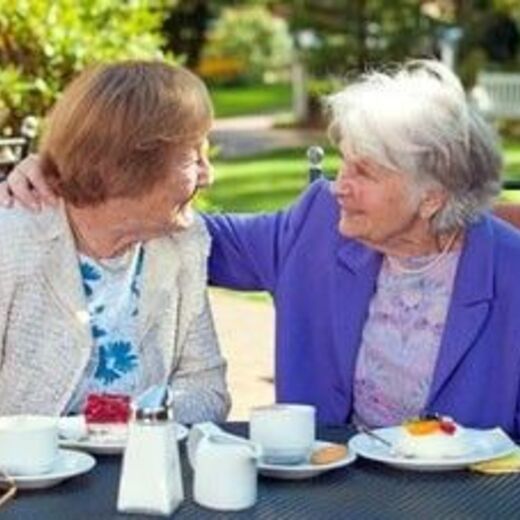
112, 290
400, 343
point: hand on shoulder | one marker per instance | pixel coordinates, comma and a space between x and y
27, 187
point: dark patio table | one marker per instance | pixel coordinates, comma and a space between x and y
364, 490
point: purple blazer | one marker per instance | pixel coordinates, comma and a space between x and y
322, 284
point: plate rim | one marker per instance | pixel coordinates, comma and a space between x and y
52, 476
114, 447
423, 463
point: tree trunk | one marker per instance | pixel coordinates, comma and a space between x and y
361, 33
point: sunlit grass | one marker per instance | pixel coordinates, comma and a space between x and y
264, 182
512, 167
270, 181
230, 101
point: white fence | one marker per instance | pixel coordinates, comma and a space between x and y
497, 94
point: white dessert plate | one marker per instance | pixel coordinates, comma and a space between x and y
69, 463
306, 469
106, 444
483, 445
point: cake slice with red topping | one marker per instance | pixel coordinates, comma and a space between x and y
107, 415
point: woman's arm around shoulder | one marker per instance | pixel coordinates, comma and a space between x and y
248, 250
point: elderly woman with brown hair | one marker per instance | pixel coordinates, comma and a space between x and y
106, 293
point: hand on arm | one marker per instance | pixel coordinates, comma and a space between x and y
26, 186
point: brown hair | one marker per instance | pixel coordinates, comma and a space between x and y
114, 129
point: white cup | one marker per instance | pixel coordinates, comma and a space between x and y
286, 432
28, 444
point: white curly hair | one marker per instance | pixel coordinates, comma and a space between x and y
416, 120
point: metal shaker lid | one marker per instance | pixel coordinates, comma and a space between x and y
154, 405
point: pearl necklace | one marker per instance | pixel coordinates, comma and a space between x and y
397, 266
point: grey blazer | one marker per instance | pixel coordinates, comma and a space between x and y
45, 338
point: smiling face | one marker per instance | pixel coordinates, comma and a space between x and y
377, 205
167, 205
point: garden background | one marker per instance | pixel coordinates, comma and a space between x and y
267, 65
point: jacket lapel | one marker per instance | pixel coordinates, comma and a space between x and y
470, 304
62, 277
60, 270
160, 269
357, 271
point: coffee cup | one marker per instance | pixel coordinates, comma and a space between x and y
285, 432
28, 444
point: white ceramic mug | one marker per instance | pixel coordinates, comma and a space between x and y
28, 444
286, 432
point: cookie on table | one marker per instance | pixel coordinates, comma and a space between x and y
329, 454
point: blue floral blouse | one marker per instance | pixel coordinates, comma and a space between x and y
112, 290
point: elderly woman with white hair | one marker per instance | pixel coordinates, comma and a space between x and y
396, 291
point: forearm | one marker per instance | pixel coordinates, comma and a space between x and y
203, 398
199, 379
244, 253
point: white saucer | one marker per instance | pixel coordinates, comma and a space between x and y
305, 470
100, 445
68, 464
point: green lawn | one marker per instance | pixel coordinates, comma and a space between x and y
270, 181
263, 182
251, 99
512, 166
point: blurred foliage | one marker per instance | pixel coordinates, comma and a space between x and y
491, 37
43, 44
188, 22
185, 29
249, 37
353, 35
356, 35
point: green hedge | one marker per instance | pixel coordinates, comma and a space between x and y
44, 43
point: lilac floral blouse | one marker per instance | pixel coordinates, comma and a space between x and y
400, 342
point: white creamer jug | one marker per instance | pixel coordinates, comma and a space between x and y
225, 468
151, 477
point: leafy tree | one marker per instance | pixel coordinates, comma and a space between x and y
185, 29
355, 34
491, 37
252, 36
188, 22
43, 44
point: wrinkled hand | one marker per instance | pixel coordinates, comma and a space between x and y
27, 187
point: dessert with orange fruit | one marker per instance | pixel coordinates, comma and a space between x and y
432, 437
